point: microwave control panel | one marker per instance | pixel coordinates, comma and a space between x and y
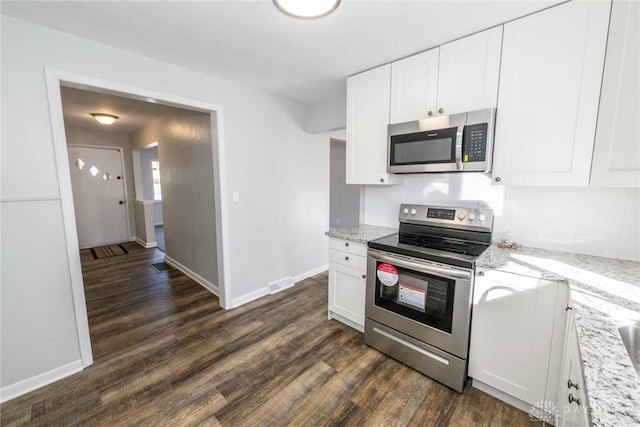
474, 143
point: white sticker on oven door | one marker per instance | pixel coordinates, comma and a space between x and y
412, 297
387, 274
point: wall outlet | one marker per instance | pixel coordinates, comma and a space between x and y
235, 196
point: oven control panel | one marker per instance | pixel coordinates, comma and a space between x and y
447, 216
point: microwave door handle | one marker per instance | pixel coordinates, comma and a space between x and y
459, 150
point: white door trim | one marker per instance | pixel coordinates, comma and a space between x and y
54, 79
124, 176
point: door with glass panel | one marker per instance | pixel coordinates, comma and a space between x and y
99, 199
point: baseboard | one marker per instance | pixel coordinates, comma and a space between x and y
259, 293
310, 273
195, 276
251, 296
145, 244
25, 386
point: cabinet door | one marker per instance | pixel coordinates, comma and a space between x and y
572, 410
469, 72
414, 87
511, 333
548, 95
616, 155
368, 97
347, 292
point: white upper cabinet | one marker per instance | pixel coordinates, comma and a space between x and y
548, 95
368, 96
414, 82
469, 72
616, 155
456, 77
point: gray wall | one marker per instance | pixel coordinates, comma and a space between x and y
146, 156
184, 144
110, 139
344, 199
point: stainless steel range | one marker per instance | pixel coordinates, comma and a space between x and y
420, 288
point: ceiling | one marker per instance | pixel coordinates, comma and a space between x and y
77, 105
251, 42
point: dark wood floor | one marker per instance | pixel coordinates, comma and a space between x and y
128, 301
276, 361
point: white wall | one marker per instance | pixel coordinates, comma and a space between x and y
603, 222
110, 139
279, 171
187, 179
344, 201
146, 155
328, 115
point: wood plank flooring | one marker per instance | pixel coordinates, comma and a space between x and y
128, 301
276, 361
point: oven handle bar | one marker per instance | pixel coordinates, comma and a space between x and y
421, 266
411, 346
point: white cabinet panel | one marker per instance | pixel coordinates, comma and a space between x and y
347, 293
512, 334
572, 399
548, 95
469, 71
414, 83
616, 156
368, 98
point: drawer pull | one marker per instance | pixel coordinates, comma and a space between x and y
346, 258
346, 244
573, 399
364, 276
572, 384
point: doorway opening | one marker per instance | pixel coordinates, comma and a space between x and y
344, 199
211, 150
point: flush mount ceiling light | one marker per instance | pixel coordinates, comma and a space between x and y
104, 119
307, 9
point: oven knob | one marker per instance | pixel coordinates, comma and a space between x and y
413, 212
482, 217
461, 216
472, 216
405, 211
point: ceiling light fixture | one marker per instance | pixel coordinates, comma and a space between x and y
104, 119
307, 9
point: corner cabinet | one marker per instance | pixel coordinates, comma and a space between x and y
347, 279
368, 97
616, 155
549, 90
517, 334
572, 398
453, 78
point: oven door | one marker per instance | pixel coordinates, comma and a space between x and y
428, 301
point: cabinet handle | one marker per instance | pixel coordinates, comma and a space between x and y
346, 244
498, 179
573, 399
480, 273
346, 258
441, 110
381, 179
572, 384
364, 276
430, 113
567, 308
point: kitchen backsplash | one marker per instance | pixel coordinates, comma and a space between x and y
594, 221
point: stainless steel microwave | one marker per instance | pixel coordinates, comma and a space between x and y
455, 143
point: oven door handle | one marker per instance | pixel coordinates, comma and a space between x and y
422, 267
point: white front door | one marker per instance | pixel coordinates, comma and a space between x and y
98, 195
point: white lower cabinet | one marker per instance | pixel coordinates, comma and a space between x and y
572, 398
517, 335
347, 278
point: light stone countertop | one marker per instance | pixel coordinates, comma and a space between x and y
361, 233
604, 291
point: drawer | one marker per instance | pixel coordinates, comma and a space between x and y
349, 246
345, 258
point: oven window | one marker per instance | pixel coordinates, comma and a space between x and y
423, 147
425, 298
